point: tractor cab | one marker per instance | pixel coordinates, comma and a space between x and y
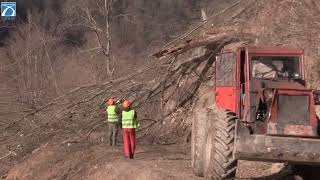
266, 89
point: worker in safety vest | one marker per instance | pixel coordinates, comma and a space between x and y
129, 124
112, 117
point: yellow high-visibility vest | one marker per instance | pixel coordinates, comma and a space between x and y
112, 115
128, 120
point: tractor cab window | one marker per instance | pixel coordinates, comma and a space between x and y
274, 67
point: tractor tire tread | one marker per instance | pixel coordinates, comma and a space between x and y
224, 163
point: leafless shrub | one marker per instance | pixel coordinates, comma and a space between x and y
32, 54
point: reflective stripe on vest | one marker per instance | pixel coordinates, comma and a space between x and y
128, 120
112, 115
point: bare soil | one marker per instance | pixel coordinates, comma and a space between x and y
89, 161
100, 161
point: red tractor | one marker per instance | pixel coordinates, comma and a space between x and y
266, 113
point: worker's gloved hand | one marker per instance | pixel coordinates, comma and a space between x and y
120, 101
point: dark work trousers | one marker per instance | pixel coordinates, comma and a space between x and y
113, 133
129, 142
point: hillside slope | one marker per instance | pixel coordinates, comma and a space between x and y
56, 76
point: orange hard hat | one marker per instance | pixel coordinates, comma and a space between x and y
110, 101
126, 104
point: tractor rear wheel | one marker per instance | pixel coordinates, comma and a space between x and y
209, 146
198, 141
221, 164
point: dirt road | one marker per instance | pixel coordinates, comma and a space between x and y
100, 161
87, 161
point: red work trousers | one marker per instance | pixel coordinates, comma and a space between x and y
129, 141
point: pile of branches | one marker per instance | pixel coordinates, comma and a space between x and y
81, 110
160, 91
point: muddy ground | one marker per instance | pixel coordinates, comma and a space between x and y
69, 160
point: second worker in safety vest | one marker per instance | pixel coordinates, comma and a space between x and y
112, 117
129, 124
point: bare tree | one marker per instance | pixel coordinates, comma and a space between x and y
96, 18
31, 54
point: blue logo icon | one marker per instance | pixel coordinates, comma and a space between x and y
8, 10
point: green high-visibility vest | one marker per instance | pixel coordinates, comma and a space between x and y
112, 115
128, 120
